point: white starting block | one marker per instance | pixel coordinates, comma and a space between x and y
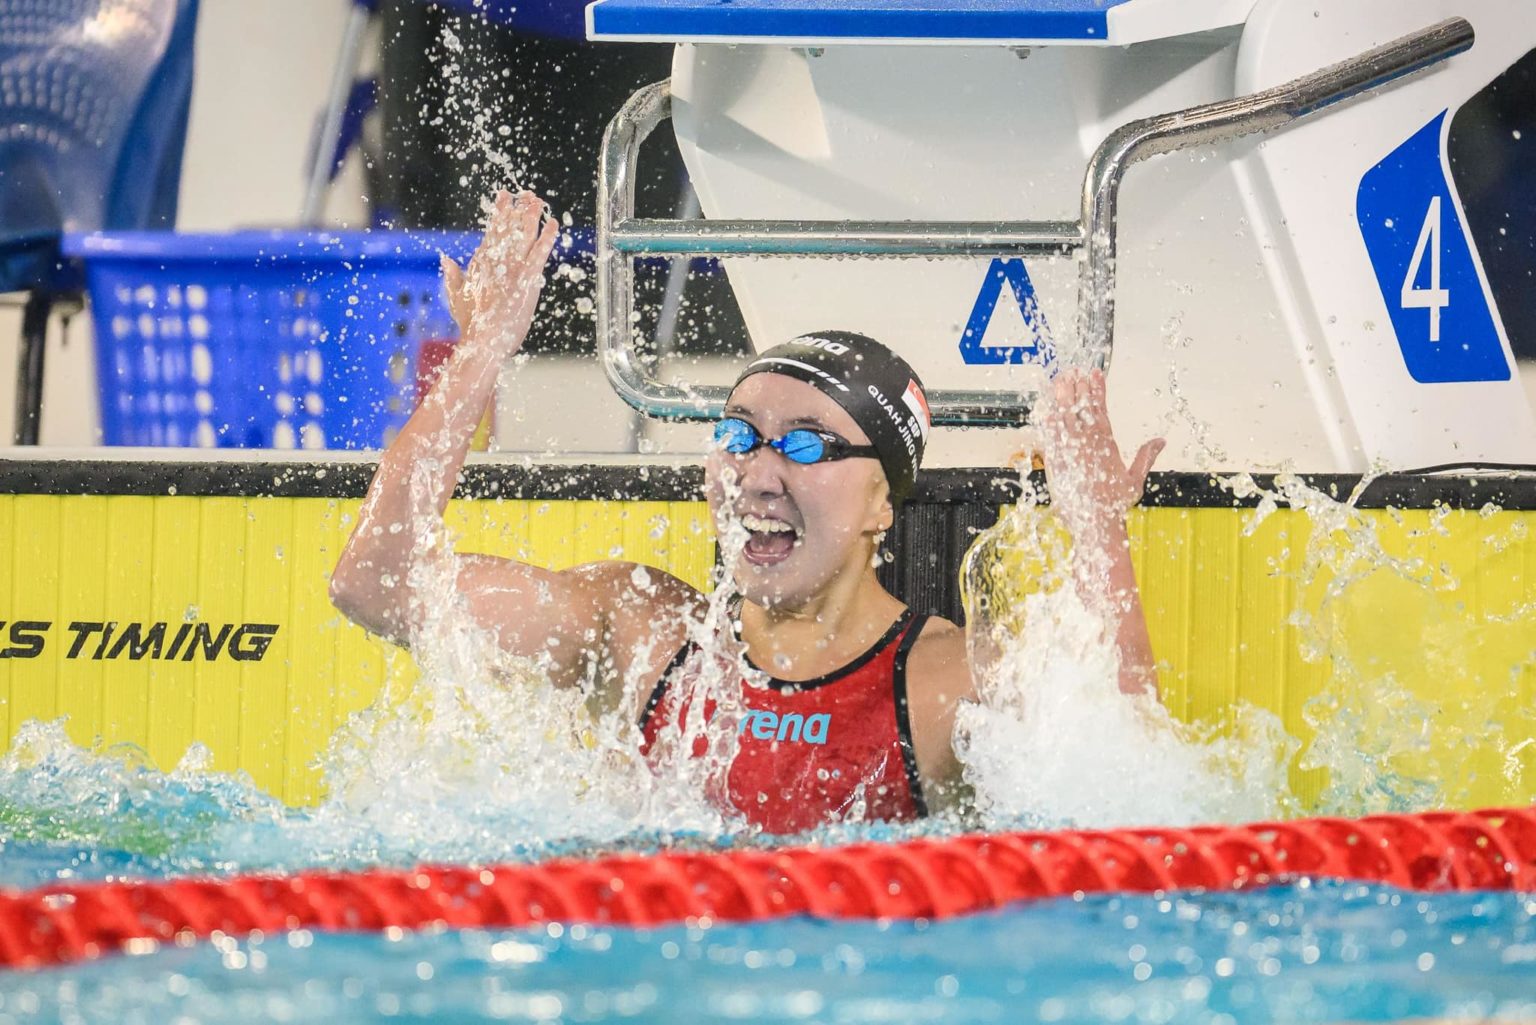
1317, 296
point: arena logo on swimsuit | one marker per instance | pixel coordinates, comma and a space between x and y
790, 726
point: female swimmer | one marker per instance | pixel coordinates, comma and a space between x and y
820, 440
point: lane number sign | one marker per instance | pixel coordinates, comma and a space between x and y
1436, 297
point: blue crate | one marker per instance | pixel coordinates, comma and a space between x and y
262, 339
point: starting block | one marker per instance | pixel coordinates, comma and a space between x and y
1316, 279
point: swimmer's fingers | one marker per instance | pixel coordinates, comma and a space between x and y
503, 231
549, 234
1093, 412
542, 242
513, 233
528, 275
514, 312
1060, 410
1094, 392
1084, 453
1077, 410
1064, 389
533, 211
1088, 403
516, 220
1141, 466
492, 244
497, 224
459, 305
510, 228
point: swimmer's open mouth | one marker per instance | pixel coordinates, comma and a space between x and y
769, 541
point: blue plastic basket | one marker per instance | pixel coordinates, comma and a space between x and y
262, 339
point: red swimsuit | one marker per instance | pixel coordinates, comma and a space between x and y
834, 749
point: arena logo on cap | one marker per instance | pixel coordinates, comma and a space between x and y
825, 344
917, 402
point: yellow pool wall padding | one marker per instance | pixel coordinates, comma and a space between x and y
1231, 604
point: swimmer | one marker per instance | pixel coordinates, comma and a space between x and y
821, 439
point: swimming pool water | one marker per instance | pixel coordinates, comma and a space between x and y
1322, 952
1318, 952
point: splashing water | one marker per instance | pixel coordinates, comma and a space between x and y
484, 741
69, 813
1398, 710
477, 106
483, 759
480, 759
694, 752
1052, 741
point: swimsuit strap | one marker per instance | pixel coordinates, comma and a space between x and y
733, 613
903, 715
892, 632
660, 690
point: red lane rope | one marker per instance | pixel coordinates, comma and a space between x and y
928, 878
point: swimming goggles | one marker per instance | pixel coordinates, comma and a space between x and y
801, 445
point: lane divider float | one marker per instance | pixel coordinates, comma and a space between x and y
1493, 849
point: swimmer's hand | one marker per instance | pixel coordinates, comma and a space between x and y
1092, 489
493, 299
1091, 485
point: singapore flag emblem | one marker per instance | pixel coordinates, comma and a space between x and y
918, 404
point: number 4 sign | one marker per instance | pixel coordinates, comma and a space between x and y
1434, 298
1425, 266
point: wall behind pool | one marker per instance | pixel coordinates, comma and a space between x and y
254, 662
262, 72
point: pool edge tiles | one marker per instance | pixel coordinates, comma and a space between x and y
228, 563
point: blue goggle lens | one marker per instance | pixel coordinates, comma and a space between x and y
739, 437
736, 436
801, 446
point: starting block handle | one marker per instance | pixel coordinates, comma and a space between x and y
1222, 121
722, 237
631, 379
621, 237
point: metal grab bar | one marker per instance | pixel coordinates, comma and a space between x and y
644, 237
1224, 120
621, 237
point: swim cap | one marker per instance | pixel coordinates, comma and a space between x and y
878, 388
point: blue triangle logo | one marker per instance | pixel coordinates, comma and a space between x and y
1038, 349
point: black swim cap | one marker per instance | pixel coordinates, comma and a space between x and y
878, 388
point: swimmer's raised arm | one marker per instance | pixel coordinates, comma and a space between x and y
570, 617
1092, 490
